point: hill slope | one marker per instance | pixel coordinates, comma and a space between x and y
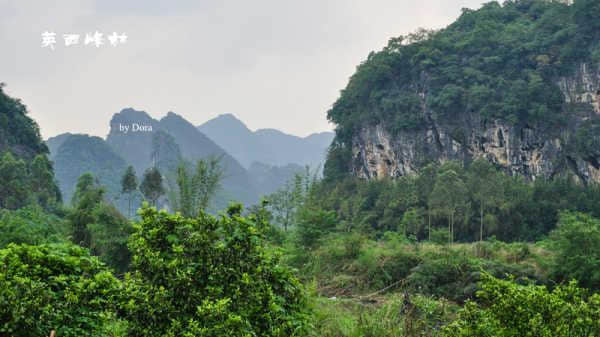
19, 134
79, 154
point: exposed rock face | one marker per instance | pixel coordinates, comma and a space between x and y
584, 87
532, 151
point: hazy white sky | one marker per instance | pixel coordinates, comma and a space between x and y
273, 63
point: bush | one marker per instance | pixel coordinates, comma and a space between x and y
209, 277
54, 287
440, 236
446, 274
314, 224
108, 237
380, 267
508, 309
31, 225
577, 243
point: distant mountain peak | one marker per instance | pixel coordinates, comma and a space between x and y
228, 115
129, 115
226, 121
271, 131
132, 111
269, 146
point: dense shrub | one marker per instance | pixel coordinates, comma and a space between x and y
576, 241
31, 225
508, 309
54, 287
209, 276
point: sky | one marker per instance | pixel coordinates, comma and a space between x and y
273, 63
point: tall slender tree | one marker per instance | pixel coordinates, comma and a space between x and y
449, 196
425, 182
486, 188
129, 185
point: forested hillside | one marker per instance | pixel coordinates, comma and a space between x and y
19, 134
517, 84
80, 154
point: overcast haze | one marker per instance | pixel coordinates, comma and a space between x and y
273, 63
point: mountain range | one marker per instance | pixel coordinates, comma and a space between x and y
268, 146
254, 163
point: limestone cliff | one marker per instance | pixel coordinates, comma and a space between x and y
531, 150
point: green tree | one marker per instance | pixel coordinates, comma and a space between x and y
152, 185
15, 187
412, 221
54, 287
98, 225
507, 309
449, 196
286, 202
313, 224
207, 276
196, 186
283, 206
109, 233
42, 182
486, 188
425, 183
32, 225
129, 186
576, 241
85, 183
88, 195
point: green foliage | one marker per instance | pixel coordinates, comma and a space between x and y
508, 309
454, 197
392, 316
129, 185
286, 202
85, 200
152, 185
576, 241
314, 224
54, 287
109, 233
349, 263
209, 276
446, 274
98, 225
487, 190
14, 190
26, 183
31, 225
43, 186
196, 186
440, 236
412, 222
80, 154
449, 197
19, 134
